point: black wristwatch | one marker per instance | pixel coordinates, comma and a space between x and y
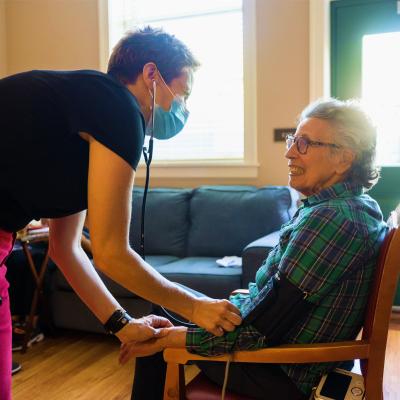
117, 321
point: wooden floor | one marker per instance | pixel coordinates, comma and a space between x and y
72, 367
392, 362
78, 366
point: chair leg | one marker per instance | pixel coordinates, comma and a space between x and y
174, 388
374, 384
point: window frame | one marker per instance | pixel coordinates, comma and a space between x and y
246, 168
319, 42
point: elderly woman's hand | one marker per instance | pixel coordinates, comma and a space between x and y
145, 328
139, 349
173, 337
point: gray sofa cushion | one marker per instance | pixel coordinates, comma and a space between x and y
254, 254
224, 219
204, 275
166, 221
71, 312
117, 290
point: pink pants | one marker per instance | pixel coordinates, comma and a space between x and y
6, 245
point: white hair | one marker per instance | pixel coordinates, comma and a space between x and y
354, 130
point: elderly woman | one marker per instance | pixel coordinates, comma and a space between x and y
324, 263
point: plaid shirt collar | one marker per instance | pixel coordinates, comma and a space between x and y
339, 190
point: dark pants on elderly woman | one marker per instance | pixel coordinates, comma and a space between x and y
258, 381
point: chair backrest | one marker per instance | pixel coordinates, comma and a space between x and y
379, 308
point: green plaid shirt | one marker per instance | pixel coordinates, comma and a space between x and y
329, 250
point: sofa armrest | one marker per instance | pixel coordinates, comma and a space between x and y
254, 254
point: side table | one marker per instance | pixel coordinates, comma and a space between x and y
38, 276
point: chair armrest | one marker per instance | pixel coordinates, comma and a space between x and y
174, 388
254, 254
287, 354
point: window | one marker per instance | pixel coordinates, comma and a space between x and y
380, 91
221, 128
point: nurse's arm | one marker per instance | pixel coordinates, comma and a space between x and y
67, 253
109, 206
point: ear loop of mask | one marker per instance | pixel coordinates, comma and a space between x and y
165, 84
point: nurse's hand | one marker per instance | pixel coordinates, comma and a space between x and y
216, 316
145, 328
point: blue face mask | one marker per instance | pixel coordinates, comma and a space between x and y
167, 124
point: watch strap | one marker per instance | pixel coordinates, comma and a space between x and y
118, 319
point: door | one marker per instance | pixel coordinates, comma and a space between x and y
365, 63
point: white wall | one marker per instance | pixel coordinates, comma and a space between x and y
52, 34
283, 79
3, 40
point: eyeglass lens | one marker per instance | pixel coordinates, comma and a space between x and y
301, 143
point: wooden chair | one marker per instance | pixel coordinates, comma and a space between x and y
370, 349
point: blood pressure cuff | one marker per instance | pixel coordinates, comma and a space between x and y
276, 309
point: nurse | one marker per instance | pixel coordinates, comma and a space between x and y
81, 134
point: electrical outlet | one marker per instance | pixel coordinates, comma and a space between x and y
280, 133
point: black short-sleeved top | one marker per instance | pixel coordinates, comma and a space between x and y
43, 160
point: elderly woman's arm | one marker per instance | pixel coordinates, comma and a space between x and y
196, 340
176, 338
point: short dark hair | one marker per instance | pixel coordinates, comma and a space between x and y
146, 45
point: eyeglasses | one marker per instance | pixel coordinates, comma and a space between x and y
302, 143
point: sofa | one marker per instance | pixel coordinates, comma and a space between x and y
186, 231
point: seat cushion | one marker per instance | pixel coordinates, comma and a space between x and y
201, 388
204, 275
166, 220
69, 312
199, 273
224, 219
60, 283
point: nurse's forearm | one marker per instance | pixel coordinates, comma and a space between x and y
130, 271
81, 275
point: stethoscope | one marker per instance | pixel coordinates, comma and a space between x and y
148, 157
